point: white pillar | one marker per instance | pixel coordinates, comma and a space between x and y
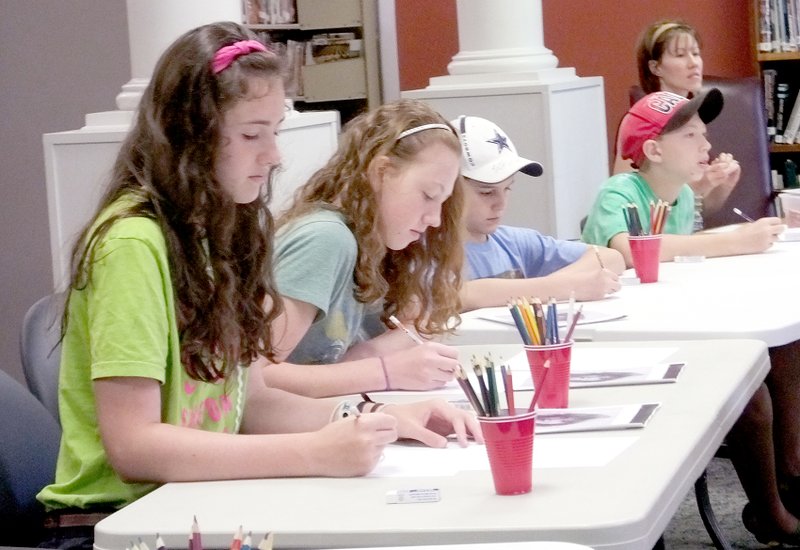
154, 24
504, 73
501, 41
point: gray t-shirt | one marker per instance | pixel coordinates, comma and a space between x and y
315, 258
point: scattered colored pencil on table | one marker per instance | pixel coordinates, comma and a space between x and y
239, 542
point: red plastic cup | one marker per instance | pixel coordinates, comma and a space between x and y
509, 443
645, 251
555, 390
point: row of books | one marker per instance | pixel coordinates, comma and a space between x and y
779, 26
269, 12
320, 48
783, 109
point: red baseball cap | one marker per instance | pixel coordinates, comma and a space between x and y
660, 113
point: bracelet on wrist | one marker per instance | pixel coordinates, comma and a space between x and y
369, 406
388, 385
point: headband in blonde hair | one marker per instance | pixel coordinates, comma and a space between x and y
659, 31
423, 127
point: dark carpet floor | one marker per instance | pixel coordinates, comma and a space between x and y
686, 531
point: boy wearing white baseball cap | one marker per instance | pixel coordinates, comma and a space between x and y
504, 261
664, 135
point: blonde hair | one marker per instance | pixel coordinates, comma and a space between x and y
426, 275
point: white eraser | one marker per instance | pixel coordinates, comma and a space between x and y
790, 234
689, 259
408, 496
629, 280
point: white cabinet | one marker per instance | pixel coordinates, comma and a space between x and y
561, 125
78, 164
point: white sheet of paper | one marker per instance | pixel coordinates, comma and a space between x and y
548, 452
593, 360
583, 360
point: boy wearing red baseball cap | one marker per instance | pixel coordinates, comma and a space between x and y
664, 136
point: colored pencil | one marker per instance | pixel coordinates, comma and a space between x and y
539, 387
508, 385
413, 335
196, 539
742, 215
236, 543
571, 328
487, 400
266, 542
521, 327
491, 379
463, 381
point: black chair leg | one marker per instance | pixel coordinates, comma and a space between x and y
707, 514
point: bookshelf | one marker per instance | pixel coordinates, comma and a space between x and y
331, 48
776, 45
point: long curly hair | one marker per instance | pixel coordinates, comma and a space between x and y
422, 280
652, 44
220, 252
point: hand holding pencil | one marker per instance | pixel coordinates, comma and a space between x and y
351, 447
423, 366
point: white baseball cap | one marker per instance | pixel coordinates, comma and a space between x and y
487, 153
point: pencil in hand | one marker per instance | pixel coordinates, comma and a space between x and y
597, 255
414, 336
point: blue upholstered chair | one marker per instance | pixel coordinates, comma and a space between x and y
29, 439
40, 349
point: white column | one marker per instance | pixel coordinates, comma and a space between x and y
501, 41
504, 73
152, 26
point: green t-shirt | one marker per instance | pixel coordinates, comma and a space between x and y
123, 324
315, 258
606, 218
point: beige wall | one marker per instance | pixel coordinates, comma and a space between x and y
58, 61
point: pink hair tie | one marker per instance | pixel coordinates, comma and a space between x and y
228, 54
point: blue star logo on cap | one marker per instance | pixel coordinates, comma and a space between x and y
500, 141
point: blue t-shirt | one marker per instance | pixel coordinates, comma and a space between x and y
519, 253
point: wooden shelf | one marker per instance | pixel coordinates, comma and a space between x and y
349, 85
779, 56
281, 27
784, 148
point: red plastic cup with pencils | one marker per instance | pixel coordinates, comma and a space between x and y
509, 444
550, 366
645, 251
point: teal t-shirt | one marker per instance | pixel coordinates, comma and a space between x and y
315, 258
123, 324
606, 218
